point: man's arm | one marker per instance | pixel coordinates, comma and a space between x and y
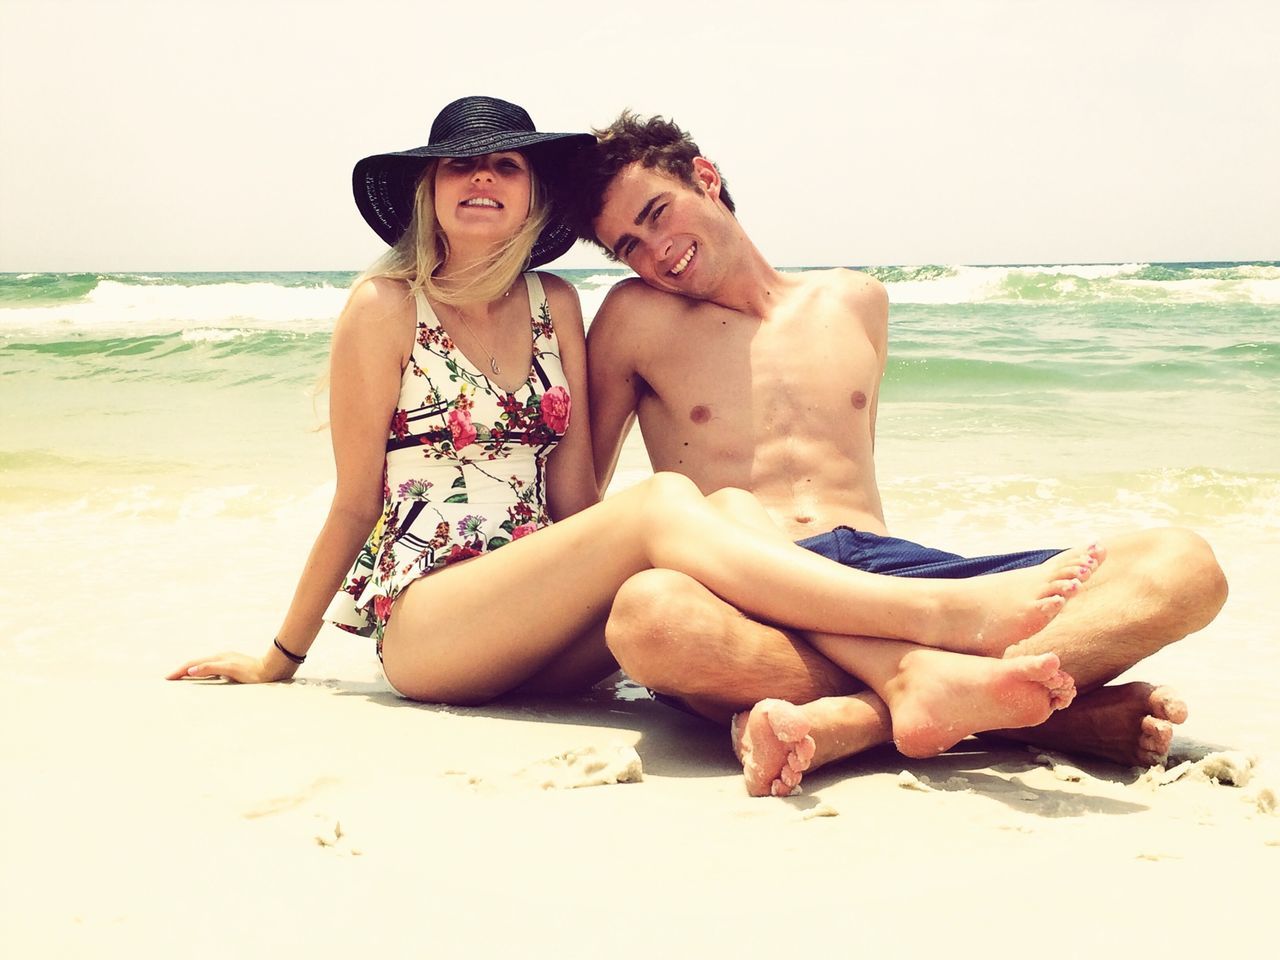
614, 384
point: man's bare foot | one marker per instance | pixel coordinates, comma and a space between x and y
987, 614
1129, 723
772, 741
938, 698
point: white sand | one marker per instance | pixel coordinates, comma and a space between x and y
324, 817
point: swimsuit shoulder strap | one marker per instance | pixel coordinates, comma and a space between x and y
536, 295
425, 315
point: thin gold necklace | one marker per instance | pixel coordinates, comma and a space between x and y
493, 363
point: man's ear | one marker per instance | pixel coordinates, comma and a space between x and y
708, 177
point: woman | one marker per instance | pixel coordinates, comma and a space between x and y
459, 423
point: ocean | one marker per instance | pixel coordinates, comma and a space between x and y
164, 465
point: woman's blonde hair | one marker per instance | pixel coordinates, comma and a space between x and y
424, 247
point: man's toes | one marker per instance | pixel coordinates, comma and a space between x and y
737, 726
1156, 735
1167, 705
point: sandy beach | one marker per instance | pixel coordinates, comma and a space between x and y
326, 817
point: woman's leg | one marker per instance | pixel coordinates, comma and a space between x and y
717, 542
472, 631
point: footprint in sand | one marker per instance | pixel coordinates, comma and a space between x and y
332, 836
587, 767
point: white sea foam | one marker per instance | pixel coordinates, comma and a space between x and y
113, 307
1256, 284
212, 335
143, 309
960, 285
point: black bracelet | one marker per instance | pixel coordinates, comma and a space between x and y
292, 656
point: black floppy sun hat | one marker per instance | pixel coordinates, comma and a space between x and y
385, 183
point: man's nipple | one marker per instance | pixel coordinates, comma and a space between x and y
859, 399
700, 414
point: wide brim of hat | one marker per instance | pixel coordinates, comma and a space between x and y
384, 183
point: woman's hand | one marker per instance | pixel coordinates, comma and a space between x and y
239, 667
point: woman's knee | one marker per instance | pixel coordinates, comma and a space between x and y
667, 489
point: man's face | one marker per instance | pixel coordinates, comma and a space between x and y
664, 229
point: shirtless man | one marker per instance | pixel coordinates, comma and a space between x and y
742, 376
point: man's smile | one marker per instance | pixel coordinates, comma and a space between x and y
683, 263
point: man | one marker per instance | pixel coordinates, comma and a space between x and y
742, 376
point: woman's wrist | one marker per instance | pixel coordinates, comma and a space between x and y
298, 659
276, 666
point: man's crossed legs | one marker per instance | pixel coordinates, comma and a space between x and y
794, 704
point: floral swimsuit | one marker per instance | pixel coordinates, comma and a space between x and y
465, 470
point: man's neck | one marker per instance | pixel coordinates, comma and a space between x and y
751, 285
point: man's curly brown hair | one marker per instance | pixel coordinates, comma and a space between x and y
654, 143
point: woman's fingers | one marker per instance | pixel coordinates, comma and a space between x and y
233, 666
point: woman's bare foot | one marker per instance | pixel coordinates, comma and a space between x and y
938, 698
772, 741
1129, 723
987, 614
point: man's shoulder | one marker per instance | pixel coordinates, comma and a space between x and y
633, 293
849, 283
631, 299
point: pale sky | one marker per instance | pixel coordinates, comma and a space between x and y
220, 134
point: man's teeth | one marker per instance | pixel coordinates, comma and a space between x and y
481, 202
684, 261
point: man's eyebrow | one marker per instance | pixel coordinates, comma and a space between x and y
638, 221
617, 247
644, 211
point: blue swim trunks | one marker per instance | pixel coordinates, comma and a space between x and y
902, 558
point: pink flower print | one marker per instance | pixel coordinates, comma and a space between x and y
461, 429
523, 531
555, 409
400, 424
382, 608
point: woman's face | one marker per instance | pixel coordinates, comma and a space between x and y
485, 198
